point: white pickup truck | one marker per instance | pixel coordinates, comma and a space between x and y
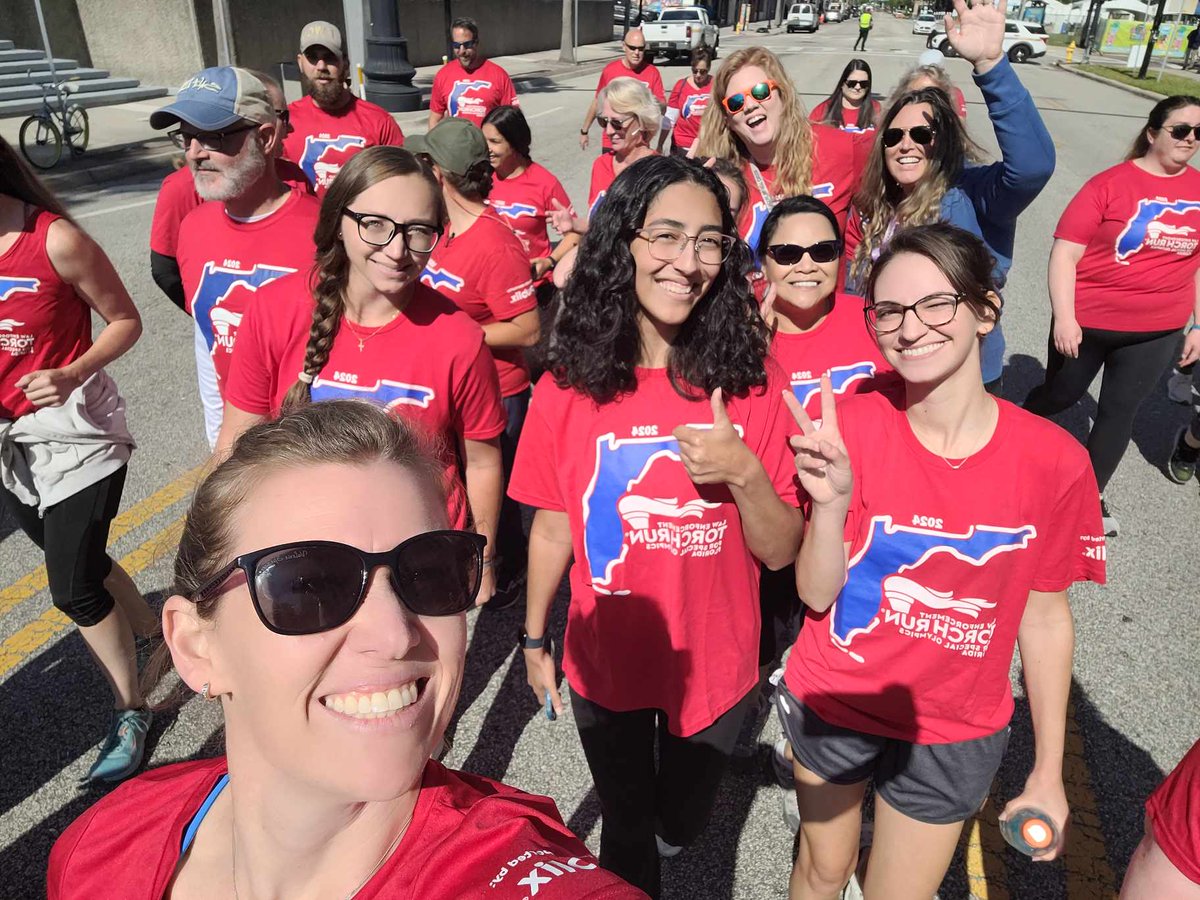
680, 30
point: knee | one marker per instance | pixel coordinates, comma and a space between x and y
826, 873
86, 602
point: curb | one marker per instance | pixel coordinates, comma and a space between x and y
1090, 76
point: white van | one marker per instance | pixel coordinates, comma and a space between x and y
802, 17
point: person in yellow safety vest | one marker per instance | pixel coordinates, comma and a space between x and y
864, 28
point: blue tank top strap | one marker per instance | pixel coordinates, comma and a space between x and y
189, 834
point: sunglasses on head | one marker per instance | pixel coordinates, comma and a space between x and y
1180, 131
852, 83
463, 45
790, 254
307, 587
760, 92
920, 134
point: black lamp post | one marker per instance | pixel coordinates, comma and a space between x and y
389, 73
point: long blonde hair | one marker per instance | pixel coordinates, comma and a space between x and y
794, 151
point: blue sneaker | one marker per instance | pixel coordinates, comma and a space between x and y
122, 750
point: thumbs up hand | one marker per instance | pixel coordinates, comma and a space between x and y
715, 455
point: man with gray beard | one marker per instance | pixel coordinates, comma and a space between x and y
253, 228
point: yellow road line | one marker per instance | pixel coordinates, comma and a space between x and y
1089, 876
137, 515
49, 624
977, 876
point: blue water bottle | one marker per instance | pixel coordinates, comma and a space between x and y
1031, 831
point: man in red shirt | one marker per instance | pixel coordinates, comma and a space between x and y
469, 86
632, 64
330, 124
255, 230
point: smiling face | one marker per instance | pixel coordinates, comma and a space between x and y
1173, 154
281, 691
856, 95
466, 55
758, 122
626, 138
500, 152
919, 353
907, 162
393, 269
805, 284
668, 291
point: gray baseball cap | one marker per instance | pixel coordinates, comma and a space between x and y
324, 34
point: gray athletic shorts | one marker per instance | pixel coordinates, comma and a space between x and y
933, 783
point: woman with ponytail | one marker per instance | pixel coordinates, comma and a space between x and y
364, 327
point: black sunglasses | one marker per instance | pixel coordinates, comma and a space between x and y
857, 83
921, 134
463, 45
790, 254
617, 124
1180, 131
307, 587
636, 48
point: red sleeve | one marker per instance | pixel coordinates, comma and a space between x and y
390, 134
506, 285
1083, 214
508, 93
557, 192
818, 113
1074, 545
176, 198
253, 369
1174, 813
437, 96
656, 85
850, 241
480, 417
676, 101
533, 479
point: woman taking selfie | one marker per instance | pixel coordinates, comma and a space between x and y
319, 598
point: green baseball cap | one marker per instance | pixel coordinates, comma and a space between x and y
454, 145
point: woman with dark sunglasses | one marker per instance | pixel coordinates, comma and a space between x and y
630, 118
655, 453
1123, 271
850, 106
319, 598
944, 528
363, 326
687, 103
920, 172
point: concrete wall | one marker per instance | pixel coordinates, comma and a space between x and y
154, 40
266, 34
18, 23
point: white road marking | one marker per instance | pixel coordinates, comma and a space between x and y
120, 207
544, 112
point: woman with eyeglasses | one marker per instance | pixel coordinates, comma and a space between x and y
1123, 282
64, 442
757, 119
363, 326
920, 172
687, 103
945, 527
319, 597
656, 455
850, 106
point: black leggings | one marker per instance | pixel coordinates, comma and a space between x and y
73, 535
1133, 361
639, 799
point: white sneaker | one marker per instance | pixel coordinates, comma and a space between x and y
665, 850
852, 890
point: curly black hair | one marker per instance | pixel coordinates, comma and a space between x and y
595, 344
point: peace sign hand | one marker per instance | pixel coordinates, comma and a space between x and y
714, 455
978, 33
821, 459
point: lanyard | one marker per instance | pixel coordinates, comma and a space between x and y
768, 198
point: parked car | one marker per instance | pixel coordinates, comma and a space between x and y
802, 17
924, 23
1023, 41
645, 11
679, 31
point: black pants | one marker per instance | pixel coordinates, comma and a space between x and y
73, 535
1133, 361
862, 38
639, 799
511, 545
782, 614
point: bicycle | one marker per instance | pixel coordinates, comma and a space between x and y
41, 138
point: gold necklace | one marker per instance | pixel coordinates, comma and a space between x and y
358, 335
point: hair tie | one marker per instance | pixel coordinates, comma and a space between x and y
305, 377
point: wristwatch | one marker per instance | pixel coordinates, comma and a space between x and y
583, 131
528, 643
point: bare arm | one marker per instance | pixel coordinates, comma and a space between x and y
1064, 257
549, 555
485, 479
587, 121
434, 118
522, 331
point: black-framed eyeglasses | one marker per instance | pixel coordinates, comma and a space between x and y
307, 587
920, 134
790, 254
862, 83
212, 141
668, 244
932, 311
464, 45
379, 231
617, 124
1180, 131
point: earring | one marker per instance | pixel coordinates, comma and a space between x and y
203, 693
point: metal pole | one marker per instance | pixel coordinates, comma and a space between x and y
46, 40
1167, 50
575, 37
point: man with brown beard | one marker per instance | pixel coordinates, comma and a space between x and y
331, 124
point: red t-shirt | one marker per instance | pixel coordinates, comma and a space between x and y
1174, 812
841, 346
469, 837
523, 201
690, 102
223, 262
1141, 232
429, 365
485, 272
959, 100
471, 95
838, 160
44, 324
849, 117
603, 175
648, 74
664, 591
919, 642
322, 140
177, 197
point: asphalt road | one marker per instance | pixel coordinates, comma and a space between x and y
1136, 705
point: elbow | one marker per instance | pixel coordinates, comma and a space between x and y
531, 338
777, 561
